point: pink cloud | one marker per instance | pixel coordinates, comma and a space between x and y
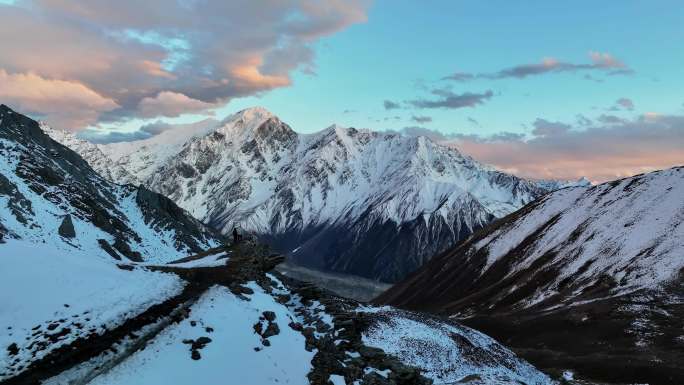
130, 51
599, 152
69, 104
171, 104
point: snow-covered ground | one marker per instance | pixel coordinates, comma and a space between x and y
447, 353
230, 357
631, 230
45, 290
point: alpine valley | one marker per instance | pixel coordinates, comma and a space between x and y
103, 283
351, 201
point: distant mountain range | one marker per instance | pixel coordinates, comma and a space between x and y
590, 277
345, 200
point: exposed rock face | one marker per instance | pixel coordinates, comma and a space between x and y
66, 229
48, 190
371, 204
584, 279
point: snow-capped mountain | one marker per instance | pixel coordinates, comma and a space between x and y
92, 153
94, 291
577, 269
48, 193
353, 201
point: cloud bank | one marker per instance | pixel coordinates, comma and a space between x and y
100, 61
601, 151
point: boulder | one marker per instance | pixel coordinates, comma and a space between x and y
66, 229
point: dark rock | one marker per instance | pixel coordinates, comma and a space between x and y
66, 229
258, 329
296, 326
201, 342
271, 330
104, 245
269, 315
122, 247
13, 349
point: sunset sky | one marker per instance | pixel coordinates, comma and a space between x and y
543, 89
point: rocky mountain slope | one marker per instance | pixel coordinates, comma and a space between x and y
98, 286
365, 203
584, 279
48, 193
228, 322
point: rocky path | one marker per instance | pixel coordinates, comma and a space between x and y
330, 325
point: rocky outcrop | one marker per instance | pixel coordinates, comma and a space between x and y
66, 229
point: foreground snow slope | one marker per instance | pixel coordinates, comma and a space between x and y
53, 295
580, 272
49, 194
234, 350
230, 355
103, 323
447, 353
354, 201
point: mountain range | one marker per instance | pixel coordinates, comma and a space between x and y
103, 283
372, 204
585, 277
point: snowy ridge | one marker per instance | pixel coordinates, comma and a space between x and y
92, 154
429, 344
630, 230
342, 190
619, 237
593, 274
50, 194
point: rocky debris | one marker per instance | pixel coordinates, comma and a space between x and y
66, 229
339, 348
13, 349
196, 346
271, 329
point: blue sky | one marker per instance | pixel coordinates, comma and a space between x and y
406, 46
542, 89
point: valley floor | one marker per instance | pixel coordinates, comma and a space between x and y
344, 285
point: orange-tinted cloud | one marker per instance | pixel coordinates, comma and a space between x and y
599, 152
133, 52
69, 104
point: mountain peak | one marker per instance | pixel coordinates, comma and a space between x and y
254, 122
252, 113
